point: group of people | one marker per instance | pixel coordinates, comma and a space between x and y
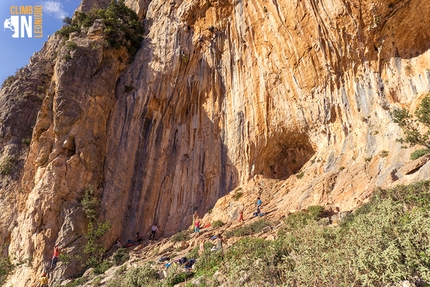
139, 238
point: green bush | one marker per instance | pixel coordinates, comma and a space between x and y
141, 276
217, 223
180, 236
7, 166
419, 153
238, 195
122, 27
416, 128
315, 211
71, 45
300, 175
102, 267
5, 267
120, 256
297, 220
249, 229
95, 231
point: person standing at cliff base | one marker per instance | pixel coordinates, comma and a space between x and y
138, 238
240, 215
43, 281
55, 257
259, 202
154, 229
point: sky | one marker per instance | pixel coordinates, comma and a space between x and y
16, 52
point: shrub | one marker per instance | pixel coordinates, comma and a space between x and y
122, 27
101, 267
141, 276
419, 153
238, 195
249, 229
120, 256
300, 175
180, 236
7, 166
383, 153
194, 253
315, 211
95, 231
297, 220
412, 126
217, 223
5, 268
71, 45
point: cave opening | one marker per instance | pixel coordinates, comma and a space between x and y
284, 155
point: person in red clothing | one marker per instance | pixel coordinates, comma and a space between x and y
241, 216
55, 257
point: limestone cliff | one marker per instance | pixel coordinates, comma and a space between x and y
221, 94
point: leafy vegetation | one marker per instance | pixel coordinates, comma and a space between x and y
5, 267
248, 229
238, 195
180, 236
300, 175
419, 153
122, 27
217, 223
95, 231
120, 256
141, 276
7, 166
416, 128
382, 243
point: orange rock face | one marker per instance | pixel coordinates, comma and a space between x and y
286, 99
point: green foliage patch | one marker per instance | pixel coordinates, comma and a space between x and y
217, 223
122, 27
248, 229
419, 153
383, 243
416, 129
7, 166
95, 231
5, 268
182, 235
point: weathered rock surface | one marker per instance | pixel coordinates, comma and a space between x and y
289, 99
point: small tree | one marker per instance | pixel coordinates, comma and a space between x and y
414, 127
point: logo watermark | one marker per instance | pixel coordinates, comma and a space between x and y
25, 21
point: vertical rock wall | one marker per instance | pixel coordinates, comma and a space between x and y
219, 93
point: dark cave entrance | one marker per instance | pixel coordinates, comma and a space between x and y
285, 154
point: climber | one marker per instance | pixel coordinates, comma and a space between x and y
218, 245
195, 217
241, 215
138, 238
43, 280
154, 229
197, 226
54, 257
118, 243
259, 202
